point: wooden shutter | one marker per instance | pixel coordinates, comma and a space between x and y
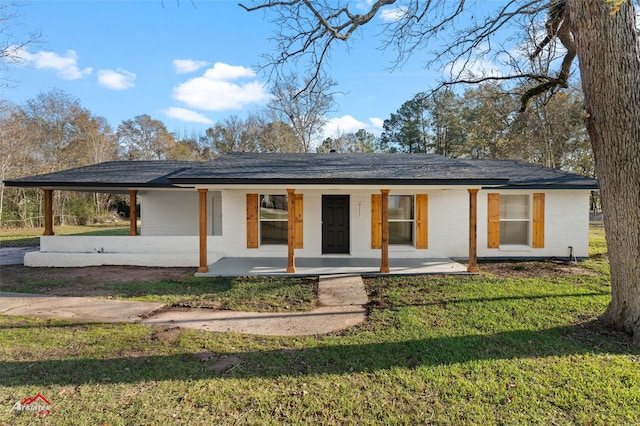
252, 220
493, 223
538, 220
376, 221
297, 220
422, 221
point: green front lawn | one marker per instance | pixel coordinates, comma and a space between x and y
456, 350
475, 350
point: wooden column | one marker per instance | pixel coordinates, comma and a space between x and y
291, 230
473, 221
48, 212
133, 213
384, 262
204, 267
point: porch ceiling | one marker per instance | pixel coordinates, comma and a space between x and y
270, 266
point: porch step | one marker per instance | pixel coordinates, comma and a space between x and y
341, 290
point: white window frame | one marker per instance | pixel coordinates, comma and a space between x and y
412, 220
528, 220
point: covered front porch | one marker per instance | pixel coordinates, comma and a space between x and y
273, 266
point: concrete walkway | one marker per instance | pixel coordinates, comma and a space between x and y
340, 306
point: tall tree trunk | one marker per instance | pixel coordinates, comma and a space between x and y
608, 49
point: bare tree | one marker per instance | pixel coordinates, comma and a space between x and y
605, 41
302, 105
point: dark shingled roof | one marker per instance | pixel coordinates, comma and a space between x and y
112, 174
334, 168
532, 176
318, 169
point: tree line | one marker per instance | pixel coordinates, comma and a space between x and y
53, 132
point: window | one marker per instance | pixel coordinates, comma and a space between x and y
401, 219
216, 213
514, 219
274, 216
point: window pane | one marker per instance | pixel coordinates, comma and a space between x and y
401, 233
273, 232
216, 207
514, 233
273, 207
514, 207
400, 207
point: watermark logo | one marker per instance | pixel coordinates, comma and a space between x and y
38, 403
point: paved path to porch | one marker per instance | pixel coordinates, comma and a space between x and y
340, 306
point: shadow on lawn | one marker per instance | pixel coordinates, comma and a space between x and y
588, 338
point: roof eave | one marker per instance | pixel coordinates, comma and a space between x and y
338, 181
591, 187
86, 185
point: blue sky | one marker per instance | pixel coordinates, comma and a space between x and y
189, 66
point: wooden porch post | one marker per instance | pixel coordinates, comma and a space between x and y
473, 221
384, 262
48, 212
291, 230
133, 213
204, 267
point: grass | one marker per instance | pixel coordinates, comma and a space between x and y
435, 350
30, 237
442, 350
598, 259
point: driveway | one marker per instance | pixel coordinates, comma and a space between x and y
14, 255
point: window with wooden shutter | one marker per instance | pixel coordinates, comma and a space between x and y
376, 221
493, 223
422, 221
298, 221
538, 220
252, 220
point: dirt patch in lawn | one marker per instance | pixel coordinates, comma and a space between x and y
86, 281
534, 269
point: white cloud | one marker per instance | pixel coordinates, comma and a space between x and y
376, 124
221, 71
66, 66
337, 126
216, 91
364, 5
187, 115
119, 79
393, 15
183, 66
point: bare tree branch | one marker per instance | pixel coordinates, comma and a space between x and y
307, 30
12, 47
558, 25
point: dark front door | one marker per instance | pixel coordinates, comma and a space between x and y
335, 224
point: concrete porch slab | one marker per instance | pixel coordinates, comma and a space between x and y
273, 266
